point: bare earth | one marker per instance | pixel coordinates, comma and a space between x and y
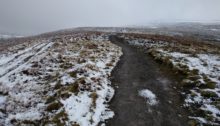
137, 71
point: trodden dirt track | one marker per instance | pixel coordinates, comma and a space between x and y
134, 72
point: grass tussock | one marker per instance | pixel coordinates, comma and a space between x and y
209, 94
73, 74
74, 88
54, 106
50, 99
94, 97
60, 118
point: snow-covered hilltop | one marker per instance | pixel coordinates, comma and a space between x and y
58, 81
4, 36
63, 78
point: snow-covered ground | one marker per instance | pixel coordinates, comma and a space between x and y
60, 81
201, 67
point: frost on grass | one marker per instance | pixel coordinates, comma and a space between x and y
63, 80
199, 63
149, 96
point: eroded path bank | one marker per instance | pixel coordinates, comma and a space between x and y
137, 71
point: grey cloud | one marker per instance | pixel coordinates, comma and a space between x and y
37, 16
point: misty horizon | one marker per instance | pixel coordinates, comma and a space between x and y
109, 62
28, 17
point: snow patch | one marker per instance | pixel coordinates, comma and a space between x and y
149, 96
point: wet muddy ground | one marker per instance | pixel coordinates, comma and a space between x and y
134, 72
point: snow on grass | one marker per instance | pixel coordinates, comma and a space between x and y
20, 59
78, 108
53, 82
205, 82
208, 64
202, 120
93, 89
29, 115
147, 43
20, 90
215, 111
149, 96
5, 58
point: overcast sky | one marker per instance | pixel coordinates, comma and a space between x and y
37, 16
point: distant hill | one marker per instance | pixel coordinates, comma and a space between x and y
6, 36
